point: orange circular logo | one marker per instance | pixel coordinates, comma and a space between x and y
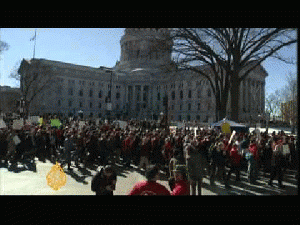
56, 178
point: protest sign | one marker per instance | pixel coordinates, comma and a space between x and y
33, 119
55, 123
16, 140
285, 149
41, 121
2, 124
81, 124
226, 128
18, 124
122, 124
232, 135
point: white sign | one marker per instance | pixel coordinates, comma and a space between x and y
18, 124
122, 124
97, 122
33, 119
285, 149
2, 124
81, 124
16, 140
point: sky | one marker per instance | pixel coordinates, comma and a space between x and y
96, 47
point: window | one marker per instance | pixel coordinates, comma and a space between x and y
91, 93
100, 105
180, 107
118, 95
189, 106
179, 118
199, 106
199, 93
59, 103
91, 105
209, 92
173, 95
70, 91
80, 104
188, 118
81, 93
197, 117
117, 107
158, 96
190, 94
181, 94
100, 94
145, 97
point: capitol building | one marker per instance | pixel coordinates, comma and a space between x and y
141, 85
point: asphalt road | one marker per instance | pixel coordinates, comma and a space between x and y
22, 181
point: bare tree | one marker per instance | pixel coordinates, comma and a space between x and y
289, 97
273, 102
226, 56
35, 78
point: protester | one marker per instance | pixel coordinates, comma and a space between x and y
252, 172
150, 186
104, 182
217, 156
276, 164
69, 146
182, 186
235, 163
195, 162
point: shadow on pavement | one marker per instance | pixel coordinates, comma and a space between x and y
80, 179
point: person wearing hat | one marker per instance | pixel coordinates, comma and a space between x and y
104, 182
182, 186
150, 186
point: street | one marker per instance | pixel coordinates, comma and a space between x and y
22, 181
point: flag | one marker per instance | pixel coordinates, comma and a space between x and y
34, 37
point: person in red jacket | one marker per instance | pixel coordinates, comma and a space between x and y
182, 186
150, 186
235, 163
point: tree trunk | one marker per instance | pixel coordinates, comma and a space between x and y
235, 99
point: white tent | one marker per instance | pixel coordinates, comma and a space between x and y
233, 125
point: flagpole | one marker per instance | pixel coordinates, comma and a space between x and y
34, 43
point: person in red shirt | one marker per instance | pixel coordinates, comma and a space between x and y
150, 186
182, 186
235, 163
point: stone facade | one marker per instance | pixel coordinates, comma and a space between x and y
138, 84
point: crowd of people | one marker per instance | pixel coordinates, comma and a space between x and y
185, 156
